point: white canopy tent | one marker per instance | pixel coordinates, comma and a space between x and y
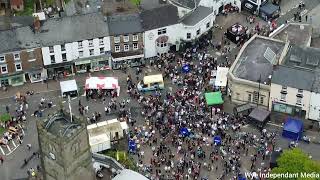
69, 86
221, 78
103, 83
129, 174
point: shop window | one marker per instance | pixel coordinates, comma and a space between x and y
51, 50
188, 35
52, 58
80, 53
198, 31
135, 46
2, 58
101, 50
125, 38
63, 48
117, 48
135, 37
162, 31
80, 46
116, 39
16, 56
90, 42
126, 47
91, 52
101, 43
64, 57
4, 82
18, 67
4, 69
208, 25
249, 97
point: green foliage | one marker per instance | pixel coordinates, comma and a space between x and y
123, 158
28, 8
2, 130
296, 161
5, 117
136, 2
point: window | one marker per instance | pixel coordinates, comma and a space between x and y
135, 46
4, 69
101, 50
91, 52
116, 39
51, 50
135, 38
2, 58
80, 45
117, 48
283, 97
53, 60
249, 97
284, 89
18, 67
215, 12
16, 56
125, 38
188, 35
208, 24
198, 31
64, 57
63, 48
255, 97
90, 43
80, 53
162, 31
299, 100
300, 91
126, 47
101, 41
162, 44
261, 100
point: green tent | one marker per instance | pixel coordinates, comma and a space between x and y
213, 98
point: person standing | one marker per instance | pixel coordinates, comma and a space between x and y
1, 159
306, 18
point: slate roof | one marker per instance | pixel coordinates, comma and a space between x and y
197, 15
7, 23
73, 28
159, 17
293, 77
18, 39
190, 4
252, 64
124, 24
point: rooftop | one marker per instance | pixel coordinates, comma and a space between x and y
257, 59
73, 28
293, 77
75, 7
159, 17
197, 15
124, 24
7, 23
190, 4
17, 39
305, 57
299, 34
114, 7
151, 4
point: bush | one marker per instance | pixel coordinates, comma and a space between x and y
123, 158
5, 117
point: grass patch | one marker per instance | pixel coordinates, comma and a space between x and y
5, 117
2, 130
123, 158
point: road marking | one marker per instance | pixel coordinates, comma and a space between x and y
274, 125
14, 144
64, 101
8, 148
74, 98
54, 105
2, 151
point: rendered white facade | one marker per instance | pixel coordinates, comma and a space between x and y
314, 107
72, 51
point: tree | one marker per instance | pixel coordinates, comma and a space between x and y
136, 2
5, 117
296, 161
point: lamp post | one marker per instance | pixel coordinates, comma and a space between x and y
259, 80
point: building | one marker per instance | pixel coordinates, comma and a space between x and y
17, 5
126, 37
20, 57
290, 91
64, 148
161, 30
75, 44
295, 33
249, 77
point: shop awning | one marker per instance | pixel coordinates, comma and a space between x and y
259, 114
58, 65
214, 98
221, 78
68, 86
103, 83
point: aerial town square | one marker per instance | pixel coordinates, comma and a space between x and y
159, 89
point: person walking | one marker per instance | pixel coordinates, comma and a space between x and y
306, 18
1, 159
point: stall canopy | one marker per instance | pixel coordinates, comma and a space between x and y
153, 78
293, 129
68, 86
259, 115
103, 83
221, 78
213, 98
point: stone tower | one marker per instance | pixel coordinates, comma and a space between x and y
64, 148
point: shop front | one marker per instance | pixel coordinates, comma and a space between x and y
288, 109
95, 64
60, 70
36, 75
131, 59
15, 79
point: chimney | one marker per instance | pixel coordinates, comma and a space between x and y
36, 24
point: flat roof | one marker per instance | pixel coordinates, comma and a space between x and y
257, 59
67, 86
296, 33
153, 78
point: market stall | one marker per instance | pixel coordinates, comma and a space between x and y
102, 83
293, 129
69, 88
221, 79
214, 100
236, 32
259, 117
